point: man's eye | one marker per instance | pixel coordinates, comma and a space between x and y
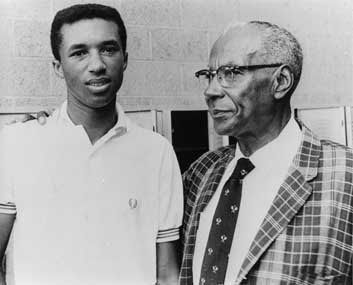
78, 53
231, 74
109, 50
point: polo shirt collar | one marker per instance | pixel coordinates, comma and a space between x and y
122, 126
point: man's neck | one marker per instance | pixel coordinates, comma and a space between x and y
249, 143
96, 122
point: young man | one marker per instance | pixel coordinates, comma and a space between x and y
91, 198
287, 216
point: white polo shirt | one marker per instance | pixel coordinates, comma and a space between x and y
87, 214
259, 188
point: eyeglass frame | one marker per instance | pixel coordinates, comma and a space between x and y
233, 68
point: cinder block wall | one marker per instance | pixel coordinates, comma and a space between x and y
168, 40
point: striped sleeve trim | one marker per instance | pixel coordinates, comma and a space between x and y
7, 208
168, 235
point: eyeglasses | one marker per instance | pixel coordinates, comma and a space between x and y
227, 74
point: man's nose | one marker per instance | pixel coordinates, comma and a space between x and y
96, 63
213, 90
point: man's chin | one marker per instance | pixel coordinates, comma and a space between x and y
101, 103
222, 130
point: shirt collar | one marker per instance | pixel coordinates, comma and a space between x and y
121, 127
281, 149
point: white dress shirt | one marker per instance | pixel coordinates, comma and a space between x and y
259, 189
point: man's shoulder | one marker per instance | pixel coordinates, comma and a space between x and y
22, 129
208, 159
26, 134
332, 146
144, 135
333, 153
326, 150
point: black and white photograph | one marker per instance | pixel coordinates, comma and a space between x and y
176, 142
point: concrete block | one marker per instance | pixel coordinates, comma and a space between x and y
6, 105
32, 9
166, 44
32, 38
163, 78
5, 76
28, 104
29, 77
207, 14
58, 85
163, 103
169, 44
6, 43
134, 83
151, 12
138, 43
187, 102
148, 79
135, 103
6, 8
194, 45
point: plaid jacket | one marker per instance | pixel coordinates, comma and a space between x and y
306, 236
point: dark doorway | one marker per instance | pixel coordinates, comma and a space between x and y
189, 136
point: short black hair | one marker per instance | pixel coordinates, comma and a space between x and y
79, 12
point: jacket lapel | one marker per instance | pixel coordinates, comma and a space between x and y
214, 177
291, 196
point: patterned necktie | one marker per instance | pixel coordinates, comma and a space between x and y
215, 260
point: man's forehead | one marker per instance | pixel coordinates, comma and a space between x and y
237, 46
90, 23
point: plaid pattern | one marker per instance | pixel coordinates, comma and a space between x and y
307, 234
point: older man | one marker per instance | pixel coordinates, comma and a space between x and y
92, 197
276, 208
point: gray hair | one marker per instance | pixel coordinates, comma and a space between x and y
278, 44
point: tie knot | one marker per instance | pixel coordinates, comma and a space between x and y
243, 167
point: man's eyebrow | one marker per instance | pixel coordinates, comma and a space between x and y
77, 46
110, 42
104, 43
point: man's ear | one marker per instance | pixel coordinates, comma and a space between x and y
126, 57
283, 81
58, 68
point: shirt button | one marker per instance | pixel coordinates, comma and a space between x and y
132, 203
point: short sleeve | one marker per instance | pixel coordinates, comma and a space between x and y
7, 203
170, 197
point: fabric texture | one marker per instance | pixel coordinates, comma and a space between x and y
220, 238
82, 207
306, 236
